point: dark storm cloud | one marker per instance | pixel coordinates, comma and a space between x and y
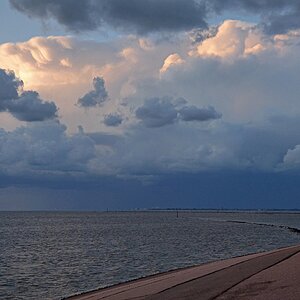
95, 97
256, 6
25, 106
277, 16
158, 112
140, 16
75, 15
113, 120
193, 113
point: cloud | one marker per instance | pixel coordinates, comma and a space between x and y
233, 39
29, 107
95, 97
277, 16
122, 62
41, 147
57, 61
9, 87
156, 112
172, 60
134, 15
291, 159
104, 138
241, 72
155, 16
24, 106
113, 120
199, 35
193, 113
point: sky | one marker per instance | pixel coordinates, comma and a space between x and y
129, 104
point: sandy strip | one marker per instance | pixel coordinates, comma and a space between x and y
226, 279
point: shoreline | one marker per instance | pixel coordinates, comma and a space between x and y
233, 275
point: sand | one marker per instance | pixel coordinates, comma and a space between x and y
268, 275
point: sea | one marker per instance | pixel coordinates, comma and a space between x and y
52, 255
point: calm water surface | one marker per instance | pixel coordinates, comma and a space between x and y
47, 255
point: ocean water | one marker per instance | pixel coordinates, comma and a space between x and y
51, 255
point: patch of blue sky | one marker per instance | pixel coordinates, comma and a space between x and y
17, 27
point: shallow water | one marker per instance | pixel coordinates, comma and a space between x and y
49, 255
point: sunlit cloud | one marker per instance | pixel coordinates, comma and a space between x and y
234, 39
171, 60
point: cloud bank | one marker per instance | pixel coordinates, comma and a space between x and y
138, 16
44, 149
154, 16
147, 129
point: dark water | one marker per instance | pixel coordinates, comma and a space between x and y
46, 255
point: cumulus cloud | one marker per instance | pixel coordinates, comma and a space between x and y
123, 63
199, 35
233, 39
223, 146
9, 87
24, 105
30, 107
291, 159
60, 61
139, 16
113, 120
172, 60
45, 146
158, 112
242, 72
193, 113
95, 97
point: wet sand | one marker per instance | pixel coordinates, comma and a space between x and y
269, 275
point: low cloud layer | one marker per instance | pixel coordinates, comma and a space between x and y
97, 96
154, 15
23, 105
44, 147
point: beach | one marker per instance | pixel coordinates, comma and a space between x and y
267, 275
